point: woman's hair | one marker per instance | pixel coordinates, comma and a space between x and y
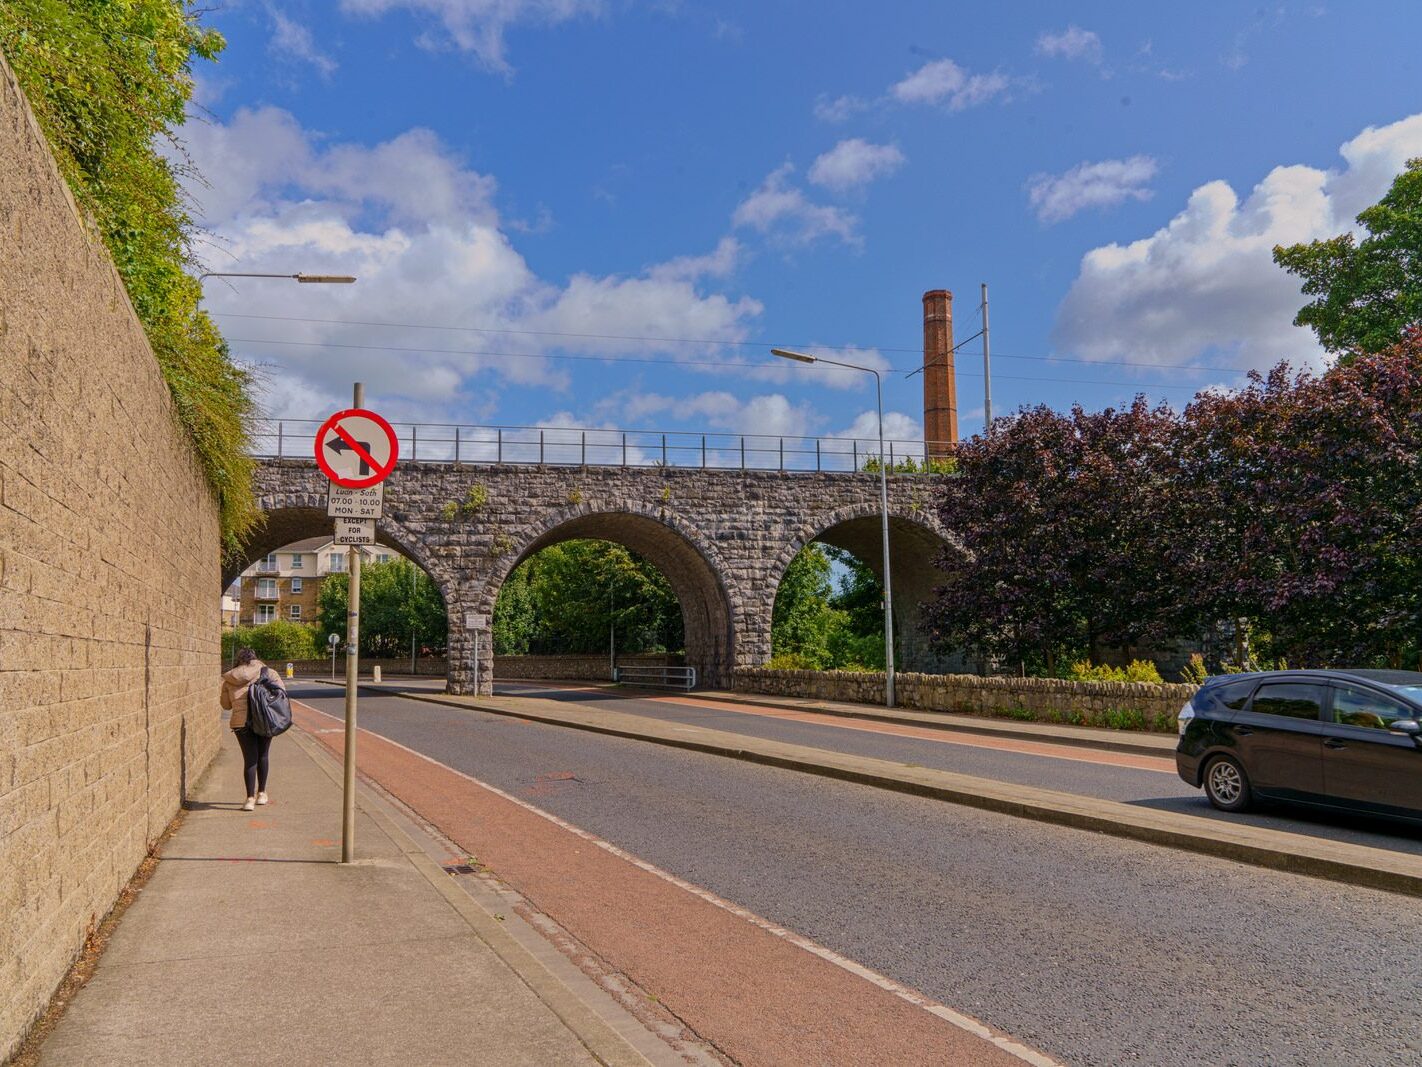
245, 656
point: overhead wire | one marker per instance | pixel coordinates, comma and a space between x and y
1196, 367
663, 362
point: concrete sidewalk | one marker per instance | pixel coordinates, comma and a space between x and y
251, 944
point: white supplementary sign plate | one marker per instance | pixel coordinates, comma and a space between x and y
356, 503
355, 531
476, 622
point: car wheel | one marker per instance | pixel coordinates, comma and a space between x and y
1227, 785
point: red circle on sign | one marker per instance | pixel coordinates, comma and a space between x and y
332, 426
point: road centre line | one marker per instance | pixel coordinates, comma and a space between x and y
903, 992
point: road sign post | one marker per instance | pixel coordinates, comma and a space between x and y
357, 450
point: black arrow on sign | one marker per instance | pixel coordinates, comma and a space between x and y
338, 446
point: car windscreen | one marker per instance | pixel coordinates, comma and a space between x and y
1411, 692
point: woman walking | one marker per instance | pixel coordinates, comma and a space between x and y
255, 747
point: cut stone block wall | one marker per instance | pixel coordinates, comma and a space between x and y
1047, 699
109, 571
574, 668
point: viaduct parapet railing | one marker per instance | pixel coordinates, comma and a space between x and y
558, 446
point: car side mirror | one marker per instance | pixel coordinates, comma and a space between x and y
1411, 727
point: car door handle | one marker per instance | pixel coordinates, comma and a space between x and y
1243, 731
1333, 742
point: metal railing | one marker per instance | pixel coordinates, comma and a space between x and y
656, 677
591, 447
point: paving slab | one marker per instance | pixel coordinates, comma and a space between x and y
252, 944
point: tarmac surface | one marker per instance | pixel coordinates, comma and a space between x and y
1095, 949
1146, 781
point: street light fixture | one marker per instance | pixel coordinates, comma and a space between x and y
801, 357
339, 279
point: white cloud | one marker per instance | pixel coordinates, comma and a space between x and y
781, 208
855, 162
421, 232
1090, 185
720, 262
293, 39
478, 26
944, 82
840, 109
1072, 43
899, 428
1206, 283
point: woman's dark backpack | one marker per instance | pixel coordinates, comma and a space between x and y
268, 710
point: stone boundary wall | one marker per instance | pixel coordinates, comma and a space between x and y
1139, 705
561, 668
431, 667
109, 580
575, 668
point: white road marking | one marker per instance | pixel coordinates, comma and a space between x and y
903, 992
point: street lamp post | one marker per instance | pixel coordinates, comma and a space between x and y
801, 357
337, 279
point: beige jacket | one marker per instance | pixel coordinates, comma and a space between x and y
235, 684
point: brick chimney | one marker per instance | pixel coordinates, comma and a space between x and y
940, 389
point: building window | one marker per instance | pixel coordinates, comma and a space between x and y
266, 589
296, 613
268, 564
296, 563
337, 561
266, 613
383, 557
296, 585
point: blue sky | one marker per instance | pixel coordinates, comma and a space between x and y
718, 178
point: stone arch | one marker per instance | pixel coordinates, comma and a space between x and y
916, 540
296, 516
686, 558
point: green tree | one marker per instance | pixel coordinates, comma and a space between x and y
110, 83
801, 621
516, 624
573, 596
398, 601
274, 642
1368, 292
821, 624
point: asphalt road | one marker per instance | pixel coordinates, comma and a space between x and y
1083, 771
1096, 949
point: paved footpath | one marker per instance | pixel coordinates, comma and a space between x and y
252, 944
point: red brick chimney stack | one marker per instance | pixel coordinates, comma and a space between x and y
940, 388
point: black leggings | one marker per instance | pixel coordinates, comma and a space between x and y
254, 759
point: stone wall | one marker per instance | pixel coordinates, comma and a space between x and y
721, 537
109, 575
574, 668
427, 666
1141, 705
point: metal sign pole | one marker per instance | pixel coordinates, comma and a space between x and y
352, 673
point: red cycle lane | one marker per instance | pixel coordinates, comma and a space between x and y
760, 994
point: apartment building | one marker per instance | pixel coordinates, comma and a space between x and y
286, 584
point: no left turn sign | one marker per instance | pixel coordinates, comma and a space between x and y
356, 448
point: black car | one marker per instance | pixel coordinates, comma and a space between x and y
1345, 740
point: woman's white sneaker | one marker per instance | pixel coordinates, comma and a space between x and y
250, 804
261, 798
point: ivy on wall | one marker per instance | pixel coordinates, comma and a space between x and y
109, 84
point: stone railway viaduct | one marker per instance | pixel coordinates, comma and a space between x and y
722, 538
